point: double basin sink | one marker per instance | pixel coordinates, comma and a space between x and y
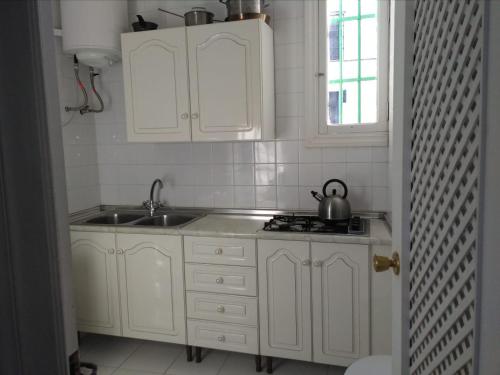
159, 219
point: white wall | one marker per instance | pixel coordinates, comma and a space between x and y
276, 174
79, 139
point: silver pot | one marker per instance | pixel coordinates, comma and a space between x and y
198, 16
333, 207
240, 7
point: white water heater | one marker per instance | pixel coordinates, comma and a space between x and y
91, 30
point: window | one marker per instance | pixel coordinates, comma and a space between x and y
346, 72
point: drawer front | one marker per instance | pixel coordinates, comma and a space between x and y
222, 308
221, 279
223, 336
231, 251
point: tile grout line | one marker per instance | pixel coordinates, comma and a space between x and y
181, 353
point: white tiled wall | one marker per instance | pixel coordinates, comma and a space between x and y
277, 174
79, 139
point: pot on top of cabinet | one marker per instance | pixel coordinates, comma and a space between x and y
246, 9
333, 207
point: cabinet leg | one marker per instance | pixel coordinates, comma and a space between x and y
258, 363
197, 351
189, 353
269, 365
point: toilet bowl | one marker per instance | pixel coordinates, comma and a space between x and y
374, 365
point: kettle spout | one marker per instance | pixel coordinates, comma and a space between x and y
317, 195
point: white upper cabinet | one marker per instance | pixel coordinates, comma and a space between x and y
229, 95
152, 287
156, 86
227, 68
285, 299
95, 282
341, 302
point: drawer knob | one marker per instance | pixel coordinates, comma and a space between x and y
111, 251
317, 263
218, 251
194, 116
306, 262
220, 309
219, 280
184, 116
221, 338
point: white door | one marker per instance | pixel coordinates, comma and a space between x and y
152, 287
285, 299
156, 86
435, 192
341, 302
224, 71
95, 282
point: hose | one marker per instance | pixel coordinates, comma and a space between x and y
92, 84
76, 69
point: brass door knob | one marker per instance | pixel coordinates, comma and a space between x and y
381, 263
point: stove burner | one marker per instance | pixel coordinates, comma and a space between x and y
313, 224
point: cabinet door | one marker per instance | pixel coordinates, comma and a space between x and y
156, 85
225, 81
341, 305
284, 299
95, 282
152, 287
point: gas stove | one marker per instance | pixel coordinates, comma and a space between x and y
355, 226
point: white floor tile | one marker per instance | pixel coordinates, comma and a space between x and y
210, 365
241, 364
153, 357
111, 351
289, 367
103, 370
123, 371
335, 370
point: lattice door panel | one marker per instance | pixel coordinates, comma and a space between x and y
444, 184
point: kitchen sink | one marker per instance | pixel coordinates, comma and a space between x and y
166, 220
114, 218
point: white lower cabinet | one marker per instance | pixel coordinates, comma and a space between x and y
95, 282
152, 287
224, 336
337, 324
133, 276
340, 303
285, 299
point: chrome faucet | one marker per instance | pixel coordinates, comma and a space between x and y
151, 204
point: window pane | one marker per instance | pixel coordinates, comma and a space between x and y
369, 101
352, 62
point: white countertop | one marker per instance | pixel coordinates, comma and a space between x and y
247, 226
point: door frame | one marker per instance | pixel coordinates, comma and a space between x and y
487, 327
400, 99
37, 334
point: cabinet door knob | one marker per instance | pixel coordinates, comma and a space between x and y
185, 116
306, 262
221, 338
111, 251
220, 309
219, 280
218, 251
194, 116
317, 263
119, 251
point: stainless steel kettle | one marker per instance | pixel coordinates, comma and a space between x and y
333, 207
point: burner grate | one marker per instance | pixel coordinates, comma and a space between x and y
314, 224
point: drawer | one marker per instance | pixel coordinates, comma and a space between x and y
223, 336
222, 308
221, 279
231, 251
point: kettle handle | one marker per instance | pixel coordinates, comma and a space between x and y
338, 181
